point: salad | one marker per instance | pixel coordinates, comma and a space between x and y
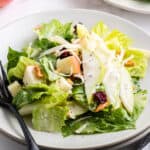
78, 81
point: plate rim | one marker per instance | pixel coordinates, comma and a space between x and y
117, 145
84, 11
128, 8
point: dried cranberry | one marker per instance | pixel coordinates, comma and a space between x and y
64, 55
100, 97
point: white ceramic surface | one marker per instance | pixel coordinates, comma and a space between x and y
19, 33
132, 5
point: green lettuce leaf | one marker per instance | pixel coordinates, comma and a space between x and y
114, 39
33, 50
103, 122
101, 29
117, 40
52, 100
51, 119
140, 63
55, 28
78, 94
44, 94
18, 70
44, 44
57, 96
82, 31
108, 120
30, 94
13, 57
50, 111
139, 104
47, 63
53, 59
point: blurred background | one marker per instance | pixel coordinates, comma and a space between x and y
18, 8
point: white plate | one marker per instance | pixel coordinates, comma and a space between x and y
132, 5
19, 33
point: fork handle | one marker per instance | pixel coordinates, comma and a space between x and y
28, 137
144, 142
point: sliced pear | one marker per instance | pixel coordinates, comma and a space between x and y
112, 85
117, 80
126, 90
91, 72
68, 65
93, 69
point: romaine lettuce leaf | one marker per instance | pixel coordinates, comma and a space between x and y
47, 64
115, 40
140, 63
30, 94
43, 93
101, 29
82, 31
34, 49
51, 119
44, 44
47, 105
13, 57
136, 84
140, 100
78, 94
57, 95
52, 58
18, 70
55, 28
108, 120
105, 121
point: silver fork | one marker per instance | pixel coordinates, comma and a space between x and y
144, 143
5, 101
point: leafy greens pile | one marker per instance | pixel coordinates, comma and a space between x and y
63, 79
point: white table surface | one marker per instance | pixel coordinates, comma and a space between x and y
20, 8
